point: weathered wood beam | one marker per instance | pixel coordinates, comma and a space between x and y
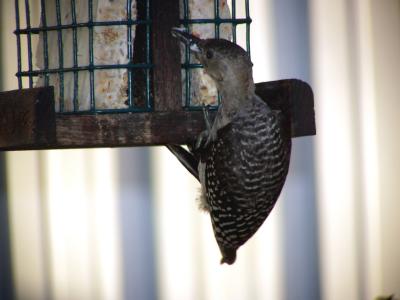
295, 98
122, 130
167, 84
28, 120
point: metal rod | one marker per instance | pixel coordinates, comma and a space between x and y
187, 54
233, 20
60, 55
216, 18
45, 41
91, 58
149, 100
37, 30
130, 52
248, 27
17, 24
85, 68
215, 21
29, 41
75, 56
217, 24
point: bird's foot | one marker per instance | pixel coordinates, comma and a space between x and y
202, 140
207, 136
206, 116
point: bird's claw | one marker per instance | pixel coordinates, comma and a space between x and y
202, 140
205, 137
206, 116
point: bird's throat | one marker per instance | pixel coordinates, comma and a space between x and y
235, 91
233, 96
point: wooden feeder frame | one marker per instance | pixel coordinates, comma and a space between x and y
28, 120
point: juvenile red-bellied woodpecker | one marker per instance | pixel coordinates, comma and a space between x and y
242, 159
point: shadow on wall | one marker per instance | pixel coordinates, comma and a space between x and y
6, 283
300, 242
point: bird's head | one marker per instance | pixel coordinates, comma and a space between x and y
226, 63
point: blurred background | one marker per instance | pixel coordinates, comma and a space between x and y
124, 223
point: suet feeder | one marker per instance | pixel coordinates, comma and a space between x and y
102, 73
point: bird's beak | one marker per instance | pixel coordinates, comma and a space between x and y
186, 38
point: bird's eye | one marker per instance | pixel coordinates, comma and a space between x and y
209, 54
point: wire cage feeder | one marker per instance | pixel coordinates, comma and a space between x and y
126, 34
97, 73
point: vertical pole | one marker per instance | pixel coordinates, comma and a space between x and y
166, 56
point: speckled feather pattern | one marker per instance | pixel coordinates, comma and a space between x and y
245, 170
243, 157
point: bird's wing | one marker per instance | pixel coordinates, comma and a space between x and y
254, 151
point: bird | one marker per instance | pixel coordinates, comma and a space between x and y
242, 157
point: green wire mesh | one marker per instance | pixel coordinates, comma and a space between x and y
138, 70
133, 67
235, 21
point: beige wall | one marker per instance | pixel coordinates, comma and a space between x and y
8, 59
356, 75
386, 39
355, 50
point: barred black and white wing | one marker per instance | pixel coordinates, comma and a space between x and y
245, 169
